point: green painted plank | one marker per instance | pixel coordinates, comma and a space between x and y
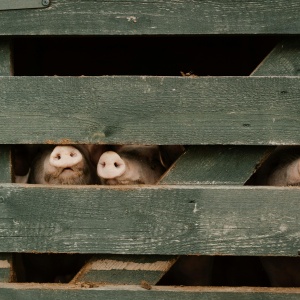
64, 292
122, 277
125, 269
5, 70
23, 4
163, 220
4, 272
5, 267
75, 17
5, 164
5, 156
150, 110
5, 58
216, 165
284, 60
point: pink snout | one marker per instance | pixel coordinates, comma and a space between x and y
110, 165
65, 157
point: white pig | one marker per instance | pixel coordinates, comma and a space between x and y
62, 165
133, 164
282, 168
67, 165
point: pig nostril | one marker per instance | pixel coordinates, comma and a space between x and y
73, 154
58, 157
116, 165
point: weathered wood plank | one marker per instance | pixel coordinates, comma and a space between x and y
150, 110
21, 4
125, 269
164, 220
66, 292
6, 69
5, 267
5, 164
284, 60
5, 58
216, 165
71, 17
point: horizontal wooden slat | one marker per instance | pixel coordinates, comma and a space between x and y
150, 219
150, 110
22, 4
71, 17
63, 292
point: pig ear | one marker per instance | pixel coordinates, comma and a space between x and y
169, 153
95, 151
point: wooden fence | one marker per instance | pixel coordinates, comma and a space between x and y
200, 207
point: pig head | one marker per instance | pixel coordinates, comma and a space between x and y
282, 168
133, 164
62, 165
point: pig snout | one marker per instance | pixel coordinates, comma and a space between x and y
65, 157
110, 165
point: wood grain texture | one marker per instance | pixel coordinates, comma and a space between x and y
125, 269
5, 70
224, 165
66, 292
5, 267
21, 4
163, 220
150, 110
5, 58
5, 156
73, 17
284, 60
5, 164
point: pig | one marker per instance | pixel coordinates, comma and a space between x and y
140, 164
282, 168
62, 164
134, 164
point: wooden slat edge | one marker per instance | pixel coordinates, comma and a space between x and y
70, 17
125, 269
64, 292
